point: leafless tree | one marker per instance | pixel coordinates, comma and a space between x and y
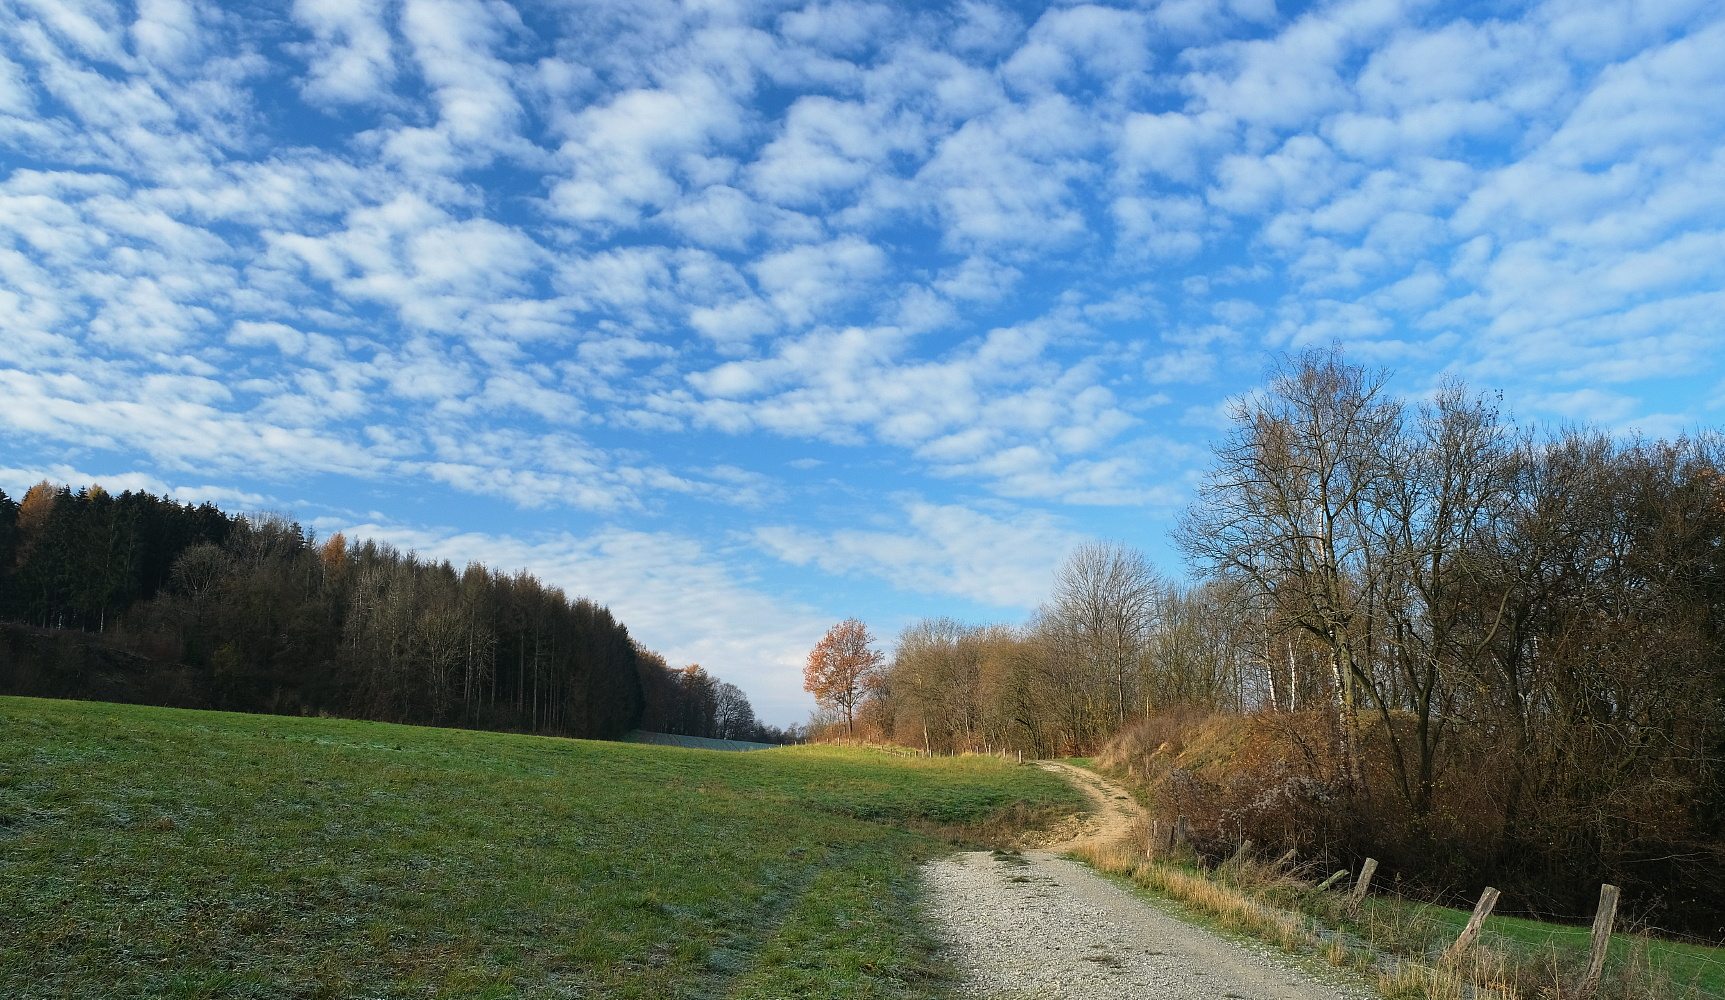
1435, 610
1107, 599
1283, 509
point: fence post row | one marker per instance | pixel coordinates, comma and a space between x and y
1470, 933
1602, 922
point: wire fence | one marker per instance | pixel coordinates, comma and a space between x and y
1641, 964
1511, 950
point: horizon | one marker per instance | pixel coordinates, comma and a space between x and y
745, 320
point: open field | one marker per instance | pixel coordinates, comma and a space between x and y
159, 852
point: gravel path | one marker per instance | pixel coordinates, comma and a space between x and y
1041, 926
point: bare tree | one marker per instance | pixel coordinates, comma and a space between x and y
1283, 507
1106, 600
935, 673
1439, 614
1199, 652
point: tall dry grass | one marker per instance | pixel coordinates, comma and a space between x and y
1232, 908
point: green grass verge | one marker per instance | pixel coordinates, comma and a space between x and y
1684, 964
164, 853
1518, 957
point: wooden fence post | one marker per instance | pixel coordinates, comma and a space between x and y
1155, 839
1365, 880
1240, 852
1470, 933
1180, 831
1602, 922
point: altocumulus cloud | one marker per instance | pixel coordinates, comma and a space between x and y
818, 307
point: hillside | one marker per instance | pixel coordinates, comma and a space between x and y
1277, 780
139, 599
155, 852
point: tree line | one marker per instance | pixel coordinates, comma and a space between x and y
254, 614
1507, 642
1114, 643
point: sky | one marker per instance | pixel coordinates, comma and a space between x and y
743, 318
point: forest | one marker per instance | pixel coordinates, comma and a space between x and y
1484, 653
137, 598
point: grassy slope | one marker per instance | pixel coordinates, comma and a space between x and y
158, 852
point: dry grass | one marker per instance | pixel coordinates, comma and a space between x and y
1232, 909
1397, 943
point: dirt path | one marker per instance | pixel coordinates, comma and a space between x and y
1113, 809
1041, 926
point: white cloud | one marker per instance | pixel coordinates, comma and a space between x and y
1594, 406
1160, 227
452, 40
350, 60
1103, 43
805, 282
1005, 179
828, 147
839, 27
167, 32
998, 409
15, 482
1006, 559
978, 279
984, 27
627, 156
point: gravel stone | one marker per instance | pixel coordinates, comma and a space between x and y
1041, 926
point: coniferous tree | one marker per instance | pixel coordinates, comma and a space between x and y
253, 614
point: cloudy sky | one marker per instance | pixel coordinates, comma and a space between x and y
744, 318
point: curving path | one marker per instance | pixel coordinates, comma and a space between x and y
1039, 925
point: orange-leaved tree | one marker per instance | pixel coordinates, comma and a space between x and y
841, 668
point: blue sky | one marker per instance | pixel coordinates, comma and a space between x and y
744, 318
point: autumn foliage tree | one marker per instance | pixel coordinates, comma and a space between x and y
841, 668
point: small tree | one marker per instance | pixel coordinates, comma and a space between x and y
841, 668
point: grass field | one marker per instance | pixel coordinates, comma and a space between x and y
165, 853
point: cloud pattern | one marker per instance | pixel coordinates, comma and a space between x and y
852, 292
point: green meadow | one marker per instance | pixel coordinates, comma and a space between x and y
150, 852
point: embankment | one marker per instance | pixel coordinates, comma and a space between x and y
1281, 780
